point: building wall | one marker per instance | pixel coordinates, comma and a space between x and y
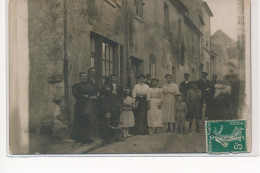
85, 17
135, 39
159, 44
206, 48
45, 28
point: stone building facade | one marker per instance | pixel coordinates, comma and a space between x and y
122, 37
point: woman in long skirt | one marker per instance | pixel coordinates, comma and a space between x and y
170, 89
154, 116
139, 93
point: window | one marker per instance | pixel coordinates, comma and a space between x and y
139, 8
107, 59
166, 18
152, 58
93, 52
181, 54
153, 70
104, 57
179, 29
194, 45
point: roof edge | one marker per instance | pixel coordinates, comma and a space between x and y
205, 5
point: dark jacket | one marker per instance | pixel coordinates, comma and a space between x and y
184, 88
110, 103
203, 86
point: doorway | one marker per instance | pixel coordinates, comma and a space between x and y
135, 70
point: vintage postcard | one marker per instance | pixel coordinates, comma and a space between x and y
129, 77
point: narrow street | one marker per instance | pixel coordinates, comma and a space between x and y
159, 143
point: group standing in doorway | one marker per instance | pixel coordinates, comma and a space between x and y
114, 113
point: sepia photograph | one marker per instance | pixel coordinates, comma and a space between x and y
99, 77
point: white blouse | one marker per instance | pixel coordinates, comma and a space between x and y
140, 90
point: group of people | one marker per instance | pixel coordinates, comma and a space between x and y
111, 110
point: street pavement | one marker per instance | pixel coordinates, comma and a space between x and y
158, 143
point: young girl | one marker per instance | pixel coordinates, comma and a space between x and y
181, 111
154, 115
127, 116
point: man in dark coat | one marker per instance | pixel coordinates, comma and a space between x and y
184, 87
85, 120
204, 86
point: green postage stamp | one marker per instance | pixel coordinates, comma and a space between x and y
226, 136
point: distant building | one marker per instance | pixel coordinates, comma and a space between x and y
226, 50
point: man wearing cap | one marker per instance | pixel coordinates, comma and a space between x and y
185, 85
204, 86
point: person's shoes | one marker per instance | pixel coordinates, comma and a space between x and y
128, 135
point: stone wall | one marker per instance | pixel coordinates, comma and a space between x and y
45, 27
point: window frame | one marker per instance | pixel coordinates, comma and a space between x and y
139, 10
108, 60
166, 17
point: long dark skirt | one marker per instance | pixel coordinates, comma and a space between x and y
140, 113
85, 122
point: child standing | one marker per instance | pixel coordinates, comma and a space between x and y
127, 116
181, 111
193, 99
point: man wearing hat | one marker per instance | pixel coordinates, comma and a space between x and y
204, 86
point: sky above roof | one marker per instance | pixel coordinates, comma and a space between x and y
225, 16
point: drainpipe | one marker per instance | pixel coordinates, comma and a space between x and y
127, 48
65, 64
